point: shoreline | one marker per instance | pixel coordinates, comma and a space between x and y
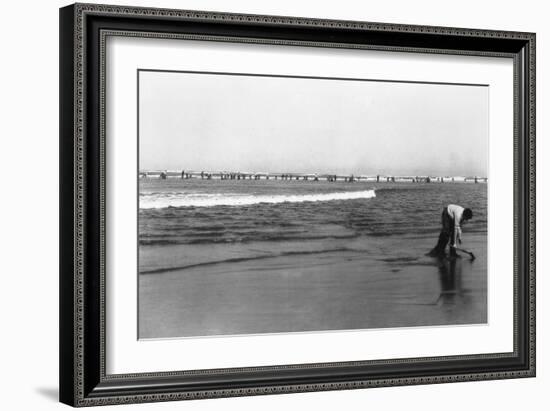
356, 283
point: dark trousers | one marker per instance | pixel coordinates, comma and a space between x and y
446, 234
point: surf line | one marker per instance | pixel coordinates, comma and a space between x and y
212, 200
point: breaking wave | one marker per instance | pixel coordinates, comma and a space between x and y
172, 199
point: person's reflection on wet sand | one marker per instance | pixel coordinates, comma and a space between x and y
450, 278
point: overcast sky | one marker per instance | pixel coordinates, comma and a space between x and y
248, 123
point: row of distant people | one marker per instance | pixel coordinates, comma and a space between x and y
306, 177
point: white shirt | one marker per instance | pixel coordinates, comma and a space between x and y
455, 212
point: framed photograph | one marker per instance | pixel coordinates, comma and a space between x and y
262, 204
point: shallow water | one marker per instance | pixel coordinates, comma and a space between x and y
212, 211
338, 260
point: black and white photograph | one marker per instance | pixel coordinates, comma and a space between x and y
258, 201
291, 204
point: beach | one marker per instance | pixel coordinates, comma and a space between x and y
223, 262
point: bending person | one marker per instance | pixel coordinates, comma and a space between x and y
452, 219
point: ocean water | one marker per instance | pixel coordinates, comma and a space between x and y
195, 211
228, 257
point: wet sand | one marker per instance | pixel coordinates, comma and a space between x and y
361, 283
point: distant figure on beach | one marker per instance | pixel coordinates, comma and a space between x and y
452, 218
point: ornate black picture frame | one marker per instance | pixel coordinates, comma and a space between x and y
83, 379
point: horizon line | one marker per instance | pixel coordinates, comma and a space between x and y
278, 173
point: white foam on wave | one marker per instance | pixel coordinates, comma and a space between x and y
212, 200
